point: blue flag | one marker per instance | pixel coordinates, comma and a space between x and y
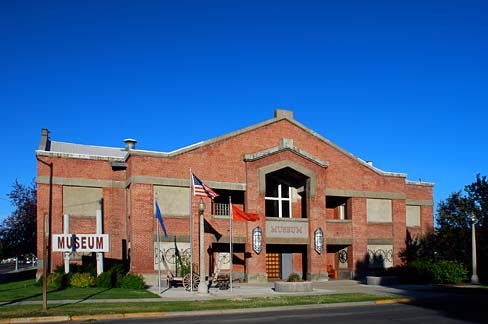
160, 218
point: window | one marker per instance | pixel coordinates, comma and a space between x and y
278, 201
413, 216
286, 194
220, 205
336, 208
379, 210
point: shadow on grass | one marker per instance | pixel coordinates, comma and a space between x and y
78, 301
18, 300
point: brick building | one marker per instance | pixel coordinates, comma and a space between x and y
324, 213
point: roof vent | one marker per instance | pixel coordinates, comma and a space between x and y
130, 144
370, 163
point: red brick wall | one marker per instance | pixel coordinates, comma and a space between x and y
223, 161
142, 225
360, 230
114, 202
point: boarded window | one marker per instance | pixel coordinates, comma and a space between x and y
379, 210
413, 216
81, 201
173, 201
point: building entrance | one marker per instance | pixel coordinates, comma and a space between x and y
283, 260
273, 266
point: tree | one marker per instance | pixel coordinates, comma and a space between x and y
451, 239
19, 231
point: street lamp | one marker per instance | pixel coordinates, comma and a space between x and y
202, 286
474, 276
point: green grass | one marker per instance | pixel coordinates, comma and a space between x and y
27, 290
174, 306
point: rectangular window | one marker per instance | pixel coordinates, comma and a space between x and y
379, 210
413, 216
172, 201
278, 204
337, 208
220, 205
81, 201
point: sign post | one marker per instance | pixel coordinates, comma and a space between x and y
99, 232
66, 254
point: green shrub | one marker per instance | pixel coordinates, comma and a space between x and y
56, 280
294, 277
133, 281
105, 279
420, 271
445, 271
59, 269
82, 280
426, 271
118, 273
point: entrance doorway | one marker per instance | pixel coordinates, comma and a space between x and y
283, 260
273, 266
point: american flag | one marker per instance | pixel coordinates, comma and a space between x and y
200, 189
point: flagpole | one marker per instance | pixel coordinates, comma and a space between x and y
231, 250
191, 233
159, 258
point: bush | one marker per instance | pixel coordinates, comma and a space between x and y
56, 280
105, 279
118, 273
82, 280
294, 277
445, 271
426, 271
133, 281
421, 271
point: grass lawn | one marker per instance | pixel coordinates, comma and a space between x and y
27, 290
173, 306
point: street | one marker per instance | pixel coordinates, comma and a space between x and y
7, 267
441, 311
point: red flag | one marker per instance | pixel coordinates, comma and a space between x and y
239, 215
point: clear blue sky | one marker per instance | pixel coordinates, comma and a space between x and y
401, 83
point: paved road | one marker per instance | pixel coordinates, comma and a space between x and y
470, 306
399, 313
7, 267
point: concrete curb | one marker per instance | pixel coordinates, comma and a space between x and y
394, 301
40, 319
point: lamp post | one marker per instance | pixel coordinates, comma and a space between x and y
474, 276
202, 286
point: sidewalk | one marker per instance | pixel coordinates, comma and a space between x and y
241, 290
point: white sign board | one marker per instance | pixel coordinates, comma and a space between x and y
81, 243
